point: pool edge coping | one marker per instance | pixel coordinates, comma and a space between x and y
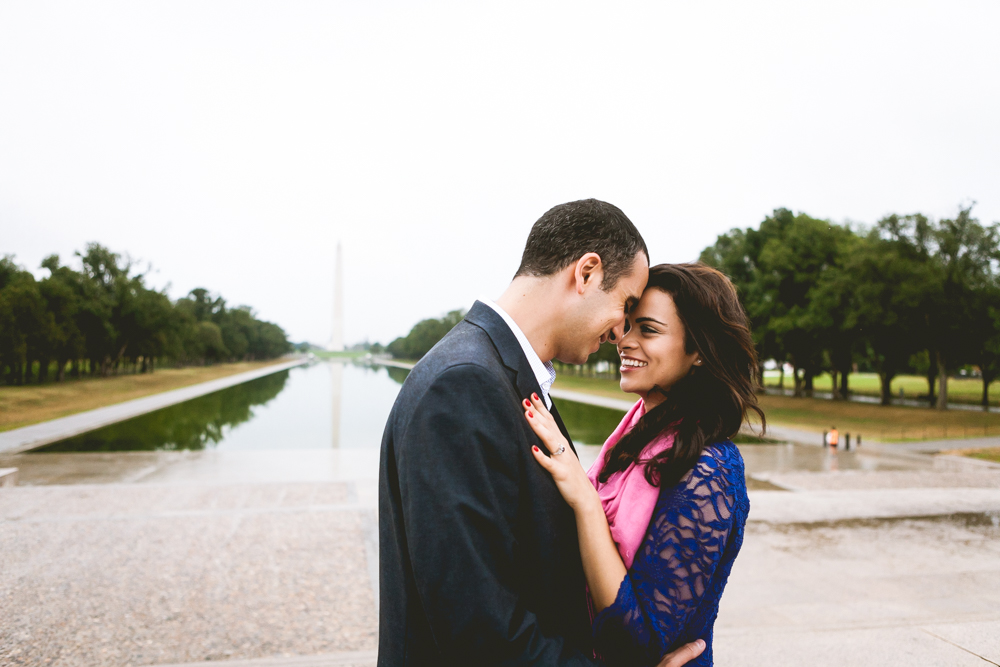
30, 437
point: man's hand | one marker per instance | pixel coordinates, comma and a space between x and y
683, 655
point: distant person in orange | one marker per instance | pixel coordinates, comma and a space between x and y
833, 437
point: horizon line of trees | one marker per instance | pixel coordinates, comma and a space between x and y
905, 295
102, 319
424, 335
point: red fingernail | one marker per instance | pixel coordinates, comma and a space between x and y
526, 403
535, 449
535, 396
530, 415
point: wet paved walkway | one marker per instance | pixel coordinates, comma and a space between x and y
38, 435
141, 574
268, 559
900, 591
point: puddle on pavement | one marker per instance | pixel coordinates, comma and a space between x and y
787, 457
976, 521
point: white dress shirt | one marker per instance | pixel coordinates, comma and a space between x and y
545, 373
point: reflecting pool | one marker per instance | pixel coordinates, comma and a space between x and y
342, 407
320, 406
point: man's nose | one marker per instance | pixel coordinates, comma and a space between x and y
617, 332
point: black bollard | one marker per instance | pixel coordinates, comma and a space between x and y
858, 444
825, 442
847, 442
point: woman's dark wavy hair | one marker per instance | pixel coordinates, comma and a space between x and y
711, 403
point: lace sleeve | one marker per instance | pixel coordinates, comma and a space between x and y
676, 575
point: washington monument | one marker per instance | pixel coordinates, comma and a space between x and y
336, 343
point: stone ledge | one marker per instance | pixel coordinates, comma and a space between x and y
8, 476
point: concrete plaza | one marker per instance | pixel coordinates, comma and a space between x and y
269, 558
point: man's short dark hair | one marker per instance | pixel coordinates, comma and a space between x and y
568, 231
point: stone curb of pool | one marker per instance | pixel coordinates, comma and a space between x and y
38, 435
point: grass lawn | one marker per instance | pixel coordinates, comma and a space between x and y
814, 414
598, 386
965, 390
31, 404
348, 354
991, 454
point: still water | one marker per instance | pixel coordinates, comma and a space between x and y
321, 406
343, 407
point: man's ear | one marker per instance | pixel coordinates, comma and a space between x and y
589, 270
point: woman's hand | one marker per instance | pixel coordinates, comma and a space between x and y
602, 565
563, 465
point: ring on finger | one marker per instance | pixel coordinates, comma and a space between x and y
562, 448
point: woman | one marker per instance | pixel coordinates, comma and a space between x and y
660, 515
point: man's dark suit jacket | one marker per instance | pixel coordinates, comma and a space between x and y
478, 554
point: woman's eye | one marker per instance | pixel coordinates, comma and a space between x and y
647, 329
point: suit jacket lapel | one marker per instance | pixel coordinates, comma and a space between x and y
511, 355
562, 426
506, 345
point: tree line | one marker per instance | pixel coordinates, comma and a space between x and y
905, 295
101, 319
423, 336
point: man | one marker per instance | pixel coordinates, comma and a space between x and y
478, 553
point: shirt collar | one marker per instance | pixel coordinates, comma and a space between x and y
544, 372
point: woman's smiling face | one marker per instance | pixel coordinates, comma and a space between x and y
653, 352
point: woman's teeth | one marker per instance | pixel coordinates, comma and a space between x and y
632, 363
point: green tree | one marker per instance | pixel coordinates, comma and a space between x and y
985, 339
105, 314
423, 336
792, 264
827, 312
737, 254
966, 254
23, 321
61, 291
889, 286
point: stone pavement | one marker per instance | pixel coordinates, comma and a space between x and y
268, 559
898, 591
141, 574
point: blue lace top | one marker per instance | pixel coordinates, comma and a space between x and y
670, 595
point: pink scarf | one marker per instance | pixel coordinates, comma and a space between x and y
628, 499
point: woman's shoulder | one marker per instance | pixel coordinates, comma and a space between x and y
722, 454
720, 467
717, 478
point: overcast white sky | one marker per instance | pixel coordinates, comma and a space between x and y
231, 144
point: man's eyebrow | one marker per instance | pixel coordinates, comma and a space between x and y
649, 319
